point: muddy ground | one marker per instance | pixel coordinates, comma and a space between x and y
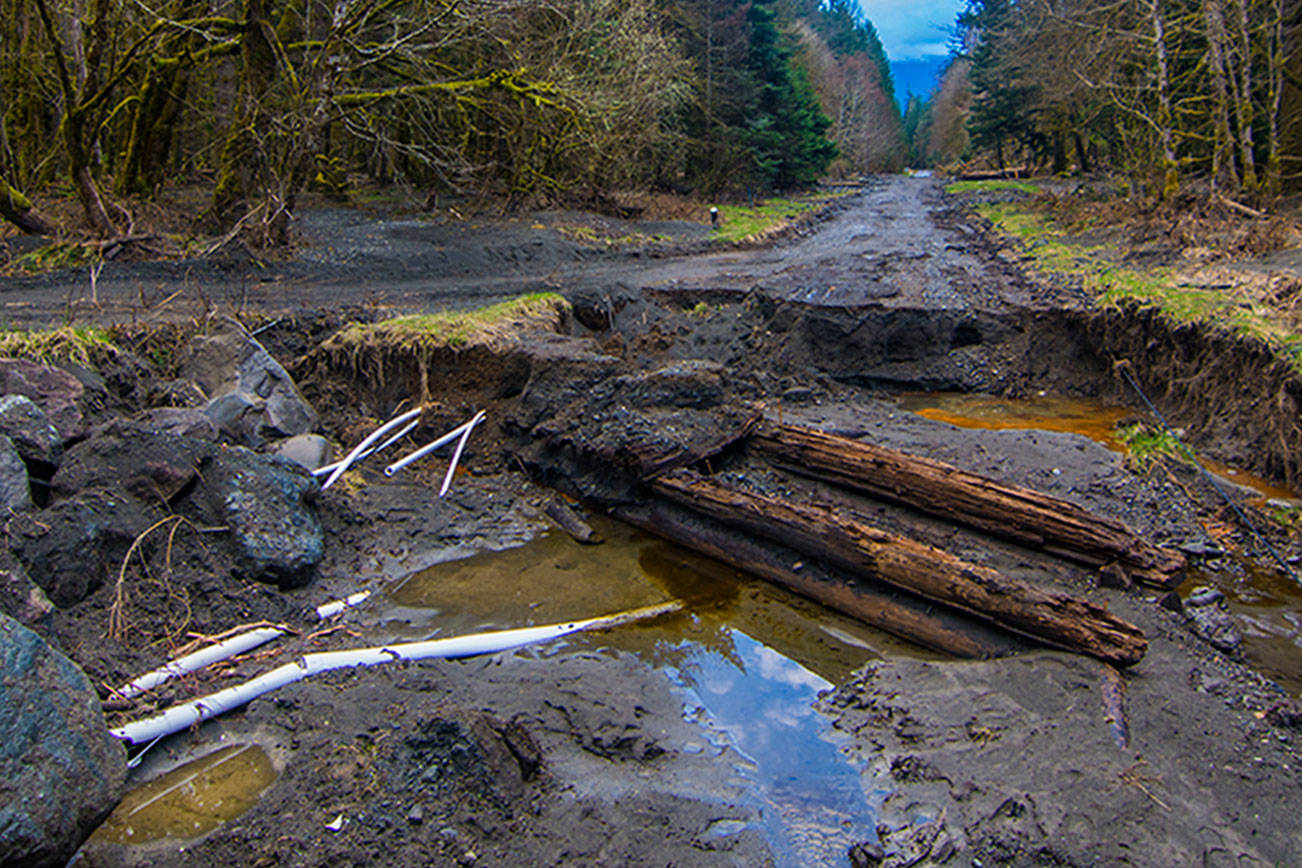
583, 758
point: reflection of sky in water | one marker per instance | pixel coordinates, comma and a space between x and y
760, 702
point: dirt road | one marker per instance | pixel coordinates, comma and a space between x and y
592, 755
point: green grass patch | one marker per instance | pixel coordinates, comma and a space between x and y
1145, 444
52, 257
991, 185
456, 329
739, 222
81, 344
1096, 266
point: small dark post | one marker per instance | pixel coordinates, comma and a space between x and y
714, 217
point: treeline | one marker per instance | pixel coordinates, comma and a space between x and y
1169, 92
533, 101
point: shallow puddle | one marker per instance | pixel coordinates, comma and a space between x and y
192, 799
1085, 416
748, 658
1267, 606
1090, 418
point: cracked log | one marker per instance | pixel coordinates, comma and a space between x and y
1019, 514
903, 615
1057, 619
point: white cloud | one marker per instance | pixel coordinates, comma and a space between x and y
912, 28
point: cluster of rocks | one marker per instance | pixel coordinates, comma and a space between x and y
77, 492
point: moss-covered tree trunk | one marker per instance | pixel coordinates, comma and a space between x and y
244, 167
17, 209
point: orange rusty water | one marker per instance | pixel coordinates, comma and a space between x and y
1085, 416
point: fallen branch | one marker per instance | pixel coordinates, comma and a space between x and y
1010, 511
180, 717
910, 618
1241, 208
822, 532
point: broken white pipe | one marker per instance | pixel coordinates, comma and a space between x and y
180, 717
406, 429
204, 657
334, 607
456, 456
429, 447
371, 438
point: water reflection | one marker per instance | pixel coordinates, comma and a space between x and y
749, 658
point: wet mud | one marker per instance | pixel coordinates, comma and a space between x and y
638, 746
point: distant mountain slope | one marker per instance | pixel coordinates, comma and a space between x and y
917, 76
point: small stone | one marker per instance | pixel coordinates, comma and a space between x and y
1171, 602
866, 855
32, 435
416, 815
336, 824
1203, 596
309, 450
1113, 576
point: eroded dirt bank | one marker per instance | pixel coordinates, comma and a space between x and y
584, 757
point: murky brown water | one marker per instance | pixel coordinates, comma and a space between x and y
1085, 416
191, 800
1267, 606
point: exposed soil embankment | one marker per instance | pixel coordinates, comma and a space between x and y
641, 394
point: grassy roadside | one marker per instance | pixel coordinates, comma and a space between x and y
1092, 255
743, 222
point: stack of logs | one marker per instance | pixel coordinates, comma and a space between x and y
707, 513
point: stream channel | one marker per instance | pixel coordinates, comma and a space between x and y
748, 659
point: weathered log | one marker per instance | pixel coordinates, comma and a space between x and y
568, 520
818, 531
1008, 511
899, 614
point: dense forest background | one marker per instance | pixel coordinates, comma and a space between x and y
1165, 92
561, 100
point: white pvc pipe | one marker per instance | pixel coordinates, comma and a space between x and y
432, 445
371, 438
456, 456
180, 717
223, 650
334, 607
406, 429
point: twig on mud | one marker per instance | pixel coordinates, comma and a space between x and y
198, 640
117, 618
321, 634
1130, 775
235, 230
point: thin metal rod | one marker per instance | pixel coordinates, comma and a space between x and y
406, 429
1243, 517
456, 456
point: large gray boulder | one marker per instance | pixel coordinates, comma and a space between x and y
251, 398
61, 772
116, 483
265, 501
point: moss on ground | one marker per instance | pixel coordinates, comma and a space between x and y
81, 344
456, 329
740, 222
991, 185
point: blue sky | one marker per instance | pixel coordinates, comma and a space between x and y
911, 29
